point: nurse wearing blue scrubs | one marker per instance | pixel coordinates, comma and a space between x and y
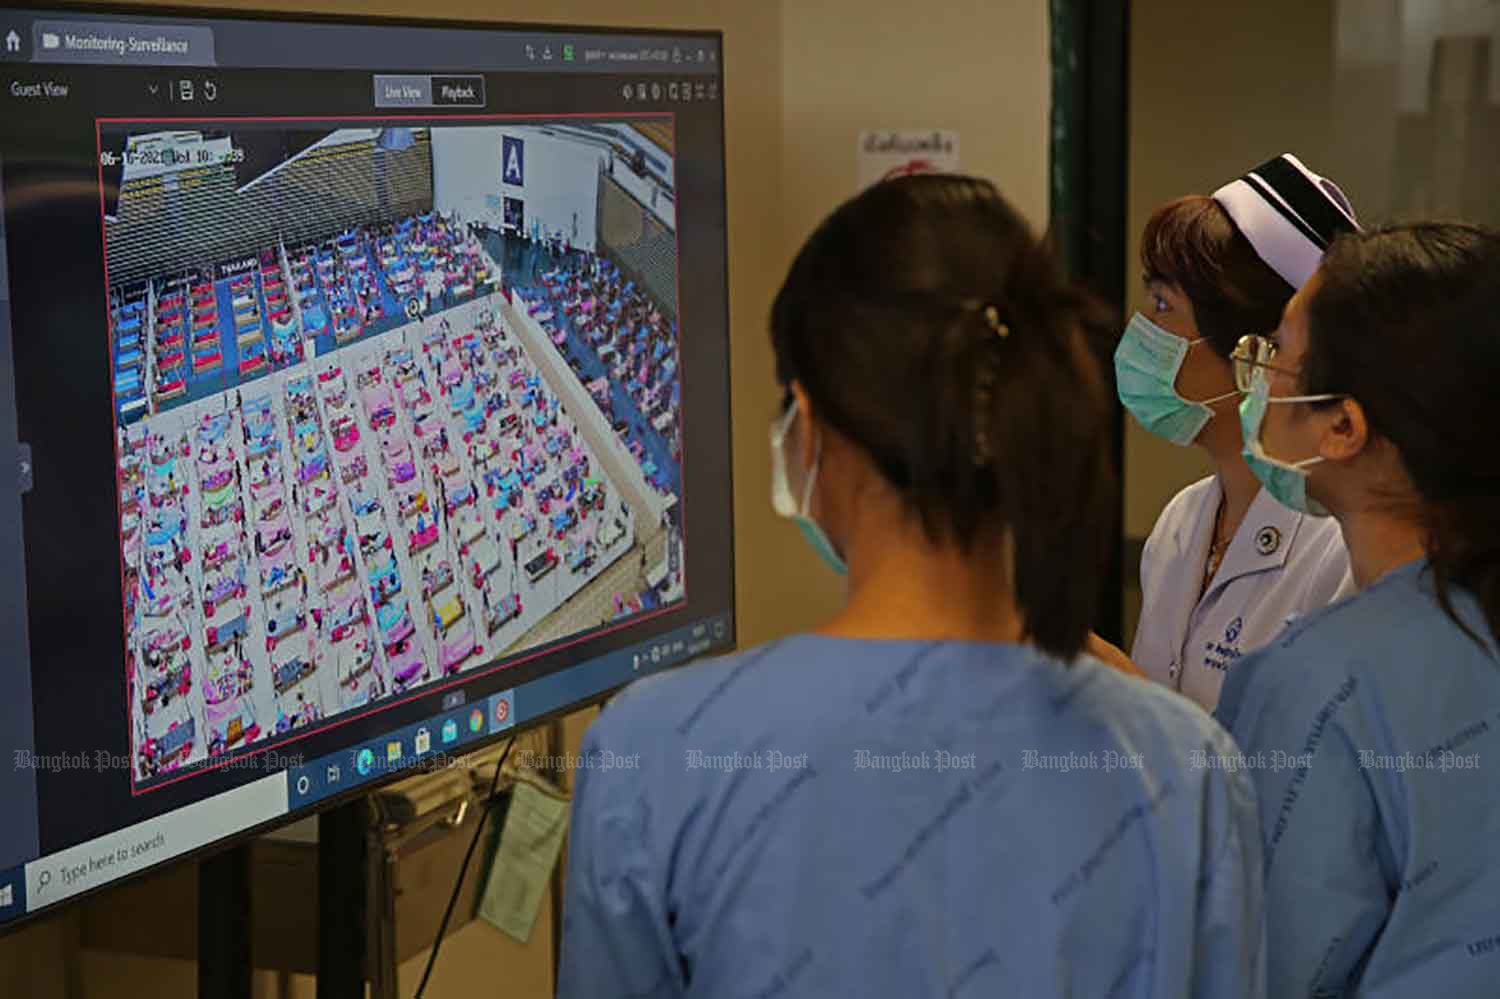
1226, 565
934, 794
1374, 725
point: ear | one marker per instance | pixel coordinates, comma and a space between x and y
1348, 434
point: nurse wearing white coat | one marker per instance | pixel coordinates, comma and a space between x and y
1226, 566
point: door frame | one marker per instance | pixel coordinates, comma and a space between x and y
1087, 188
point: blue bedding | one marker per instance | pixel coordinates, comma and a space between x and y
314, 319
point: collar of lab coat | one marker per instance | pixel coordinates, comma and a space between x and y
1265, 516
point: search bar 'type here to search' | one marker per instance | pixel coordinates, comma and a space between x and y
99, 861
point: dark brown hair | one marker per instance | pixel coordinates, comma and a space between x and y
1193, 243
933, 330
1406, 320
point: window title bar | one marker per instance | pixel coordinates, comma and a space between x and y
56, 37
115, 43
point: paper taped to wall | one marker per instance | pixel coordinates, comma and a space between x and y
886, 153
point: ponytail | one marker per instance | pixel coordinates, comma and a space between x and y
1464, 550
1462, 501
932, 330
1047, 416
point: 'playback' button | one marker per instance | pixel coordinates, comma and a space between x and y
458, 91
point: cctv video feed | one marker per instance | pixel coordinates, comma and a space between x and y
391, 405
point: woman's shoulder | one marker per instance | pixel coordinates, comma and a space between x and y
675, 699
1132, 709
1363, 625
805, 682
1377, 641
1188, 500
1179, 513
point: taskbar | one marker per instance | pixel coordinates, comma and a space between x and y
426, 742
59, 876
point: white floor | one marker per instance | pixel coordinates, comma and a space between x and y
322, 695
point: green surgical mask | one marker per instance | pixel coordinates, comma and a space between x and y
1286, 481
1146, 365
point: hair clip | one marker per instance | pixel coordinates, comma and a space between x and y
992, 317
991, 314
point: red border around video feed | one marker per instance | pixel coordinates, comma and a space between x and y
683, 604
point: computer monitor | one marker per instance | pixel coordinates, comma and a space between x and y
364, 394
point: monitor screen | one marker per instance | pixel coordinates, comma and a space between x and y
364, 393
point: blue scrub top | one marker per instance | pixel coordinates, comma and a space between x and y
831, 817
1373, 727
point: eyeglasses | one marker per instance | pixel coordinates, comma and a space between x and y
1252, 353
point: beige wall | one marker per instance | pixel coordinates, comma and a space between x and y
978, 67
801, 80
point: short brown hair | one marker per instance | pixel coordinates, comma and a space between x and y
1194, 244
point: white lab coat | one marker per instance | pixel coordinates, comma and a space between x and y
1280, 564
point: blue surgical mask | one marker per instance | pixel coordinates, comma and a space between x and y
1286, 481
785, 505
1146, 365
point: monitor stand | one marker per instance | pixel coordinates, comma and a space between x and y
343, 899
225, 970
224, 967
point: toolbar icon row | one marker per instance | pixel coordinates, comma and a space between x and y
679, 91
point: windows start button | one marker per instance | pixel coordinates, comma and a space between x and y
458, 91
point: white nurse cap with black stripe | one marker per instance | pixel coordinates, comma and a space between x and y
1289, 214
